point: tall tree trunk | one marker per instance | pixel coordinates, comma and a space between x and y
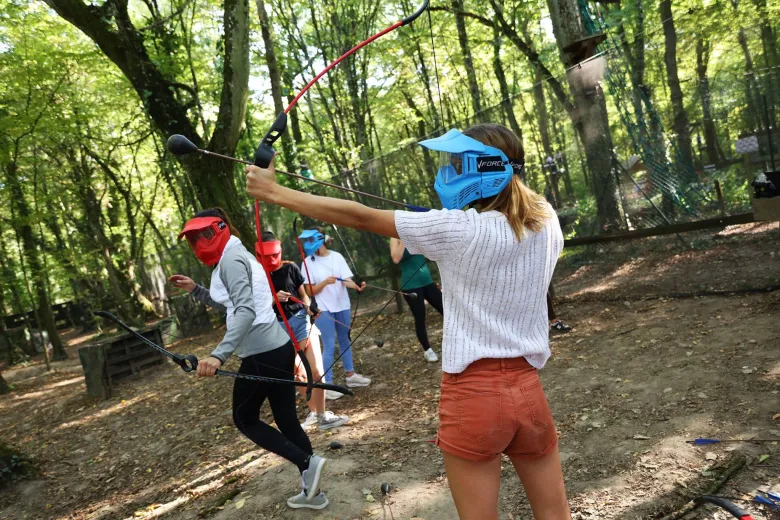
680, 125
560, 137
506, 97
15, 353
275, 76
772, 76
427, 83
295, 125
31, 251
590, 116
751, 85
110, 27
430, 164
635, 54
544, 133
8, 276
710, 135
358, 112
771, 60
4, 387
92, 229
468, 62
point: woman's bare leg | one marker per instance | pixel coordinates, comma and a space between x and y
542, 479
311, 348
474, 486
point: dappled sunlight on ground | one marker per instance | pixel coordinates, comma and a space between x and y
745, 258
48, 389
89, 417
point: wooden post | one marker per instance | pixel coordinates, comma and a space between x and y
719, 192
93, 360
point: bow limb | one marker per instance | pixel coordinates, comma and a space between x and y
265, 152
301, 353
189, 363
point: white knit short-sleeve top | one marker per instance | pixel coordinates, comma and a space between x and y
494, 286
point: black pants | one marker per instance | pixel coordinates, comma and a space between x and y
289, 441
432, 294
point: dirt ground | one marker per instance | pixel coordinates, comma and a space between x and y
641, 373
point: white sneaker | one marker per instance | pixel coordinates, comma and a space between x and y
356, 380
310, 421
430, 356
332, 395
320, 501
330, 420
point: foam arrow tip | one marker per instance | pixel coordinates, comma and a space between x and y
179, 145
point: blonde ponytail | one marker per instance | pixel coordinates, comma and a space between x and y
522, 207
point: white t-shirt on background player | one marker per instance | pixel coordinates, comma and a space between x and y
334, 297
494, 287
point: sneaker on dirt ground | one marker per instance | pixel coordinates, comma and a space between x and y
430, 356
560, 326
310, 480
330, 420
332, 395
300, 501
310, 421
356, 380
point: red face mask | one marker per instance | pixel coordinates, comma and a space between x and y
271, 257
207, 237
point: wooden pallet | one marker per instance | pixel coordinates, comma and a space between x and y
117, 358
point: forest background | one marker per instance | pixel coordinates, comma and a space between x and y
633, 114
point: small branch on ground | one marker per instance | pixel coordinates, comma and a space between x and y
733, 467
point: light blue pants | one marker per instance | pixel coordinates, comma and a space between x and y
329, 330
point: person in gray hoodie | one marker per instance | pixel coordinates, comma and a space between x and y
240, 289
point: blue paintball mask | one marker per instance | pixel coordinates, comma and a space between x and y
311, 240
469, 170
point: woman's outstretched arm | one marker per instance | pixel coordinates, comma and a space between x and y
261, 185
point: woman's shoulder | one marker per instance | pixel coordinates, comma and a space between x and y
289, 266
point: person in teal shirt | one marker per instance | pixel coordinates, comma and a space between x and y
416, 278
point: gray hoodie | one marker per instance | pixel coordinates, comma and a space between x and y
235, 272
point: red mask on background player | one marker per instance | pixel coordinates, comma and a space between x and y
207, 237
272, 253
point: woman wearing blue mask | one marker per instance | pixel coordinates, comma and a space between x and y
330, 278
496, 260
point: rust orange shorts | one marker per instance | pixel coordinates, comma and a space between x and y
495, 406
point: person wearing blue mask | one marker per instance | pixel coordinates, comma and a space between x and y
330, 278
496, 259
